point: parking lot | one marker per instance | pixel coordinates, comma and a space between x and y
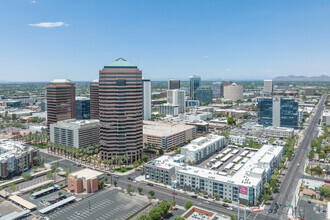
60, 162
7, 207
109, 204
47, 197
311, 210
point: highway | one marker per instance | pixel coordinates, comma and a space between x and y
294, 172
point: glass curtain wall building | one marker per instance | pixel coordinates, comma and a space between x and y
195, 83
82, 108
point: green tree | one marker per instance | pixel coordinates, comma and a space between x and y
232, 217
161, 151
144, 217
165, 206
115, 183
155, 213
145, 158
231, 120
26, 176
140, 190
49, 175
151, 193
265, 197
188, 204
325, 191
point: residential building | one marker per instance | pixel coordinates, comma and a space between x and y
174, 84
279, 132
203, 147
83, 108
326, 118
94, 97
268, 86
16, 158
121, 101
167, 135
239, 140
195, 83
146, 99
233, 92
162, 169
177, 97
278, 112
75, 133
309, 91
84, 181
61, 104
217, 89
204, 95
168, 109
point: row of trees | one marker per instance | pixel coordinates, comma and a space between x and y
159, 212
270, 187
317, 146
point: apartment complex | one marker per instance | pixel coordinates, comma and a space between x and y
279, 132
61, 103
84, 181
75, 133
167, 135
203, 147
15, 157
239, 140
94, 97
121, 101
168, 109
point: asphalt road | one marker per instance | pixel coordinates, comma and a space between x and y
294, 172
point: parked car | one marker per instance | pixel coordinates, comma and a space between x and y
230, 208
194, 196
225, 205
270, 210
77, 213
207, 202
150, 184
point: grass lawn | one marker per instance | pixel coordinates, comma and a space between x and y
123, 169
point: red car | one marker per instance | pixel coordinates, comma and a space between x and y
327, 181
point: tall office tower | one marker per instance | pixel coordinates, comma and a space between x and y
204, 95
227, 83
195, 82
83, 108
120, 97
177, 97
94, 96
278, 112
174, 84
217, 88
61, 104
146, 99
233, 92
268, 86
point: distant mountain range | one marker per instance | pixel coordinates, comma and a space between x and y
302, 78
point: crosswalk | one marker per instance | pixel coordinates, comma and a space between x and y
117, 207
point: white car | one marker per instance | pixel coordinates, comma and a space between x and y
207, 202
230, 208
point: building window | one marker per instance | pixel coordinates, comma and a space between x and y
121, 82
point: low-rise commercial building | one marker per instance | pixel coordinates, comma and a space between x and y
15, 157
193, 116
167, 135
75, 133
84, 181
326, 118
279, 132
203, 147
240, 140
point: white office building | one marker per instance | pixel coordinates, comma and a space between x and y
233, 92
177, 97
268, 86
146, 99
75, 133
203, 147
168, 109
279, 132
326, 118
239, 140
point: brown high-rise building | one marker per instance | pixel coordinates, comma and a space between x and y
61, 104
94, 96
227, 83
120, 98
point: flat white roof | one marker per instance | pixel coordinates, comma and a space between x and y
23, 202
86, 173
10, 148
161, 129
202, 142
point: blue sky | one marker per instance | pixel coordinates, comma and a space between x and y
216, 39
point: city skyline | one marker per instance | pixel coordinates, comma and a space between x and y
216, 40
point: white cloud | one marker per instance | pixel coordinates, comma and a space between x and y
33, 1
49, 24
205, 57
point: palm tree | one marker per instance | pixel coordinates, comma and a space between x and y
110, 162
105, 163
126, 158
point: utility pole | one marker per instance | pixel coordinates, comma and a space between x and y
89, 205
238, 210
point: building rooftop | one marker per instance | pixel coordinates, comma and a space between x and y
279, 128
82, 98
202, 142
86, 174
95, 81
10, 148
60, 81
120, 62
197, 213
166, 162
76, 124
161, 129
244, 176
